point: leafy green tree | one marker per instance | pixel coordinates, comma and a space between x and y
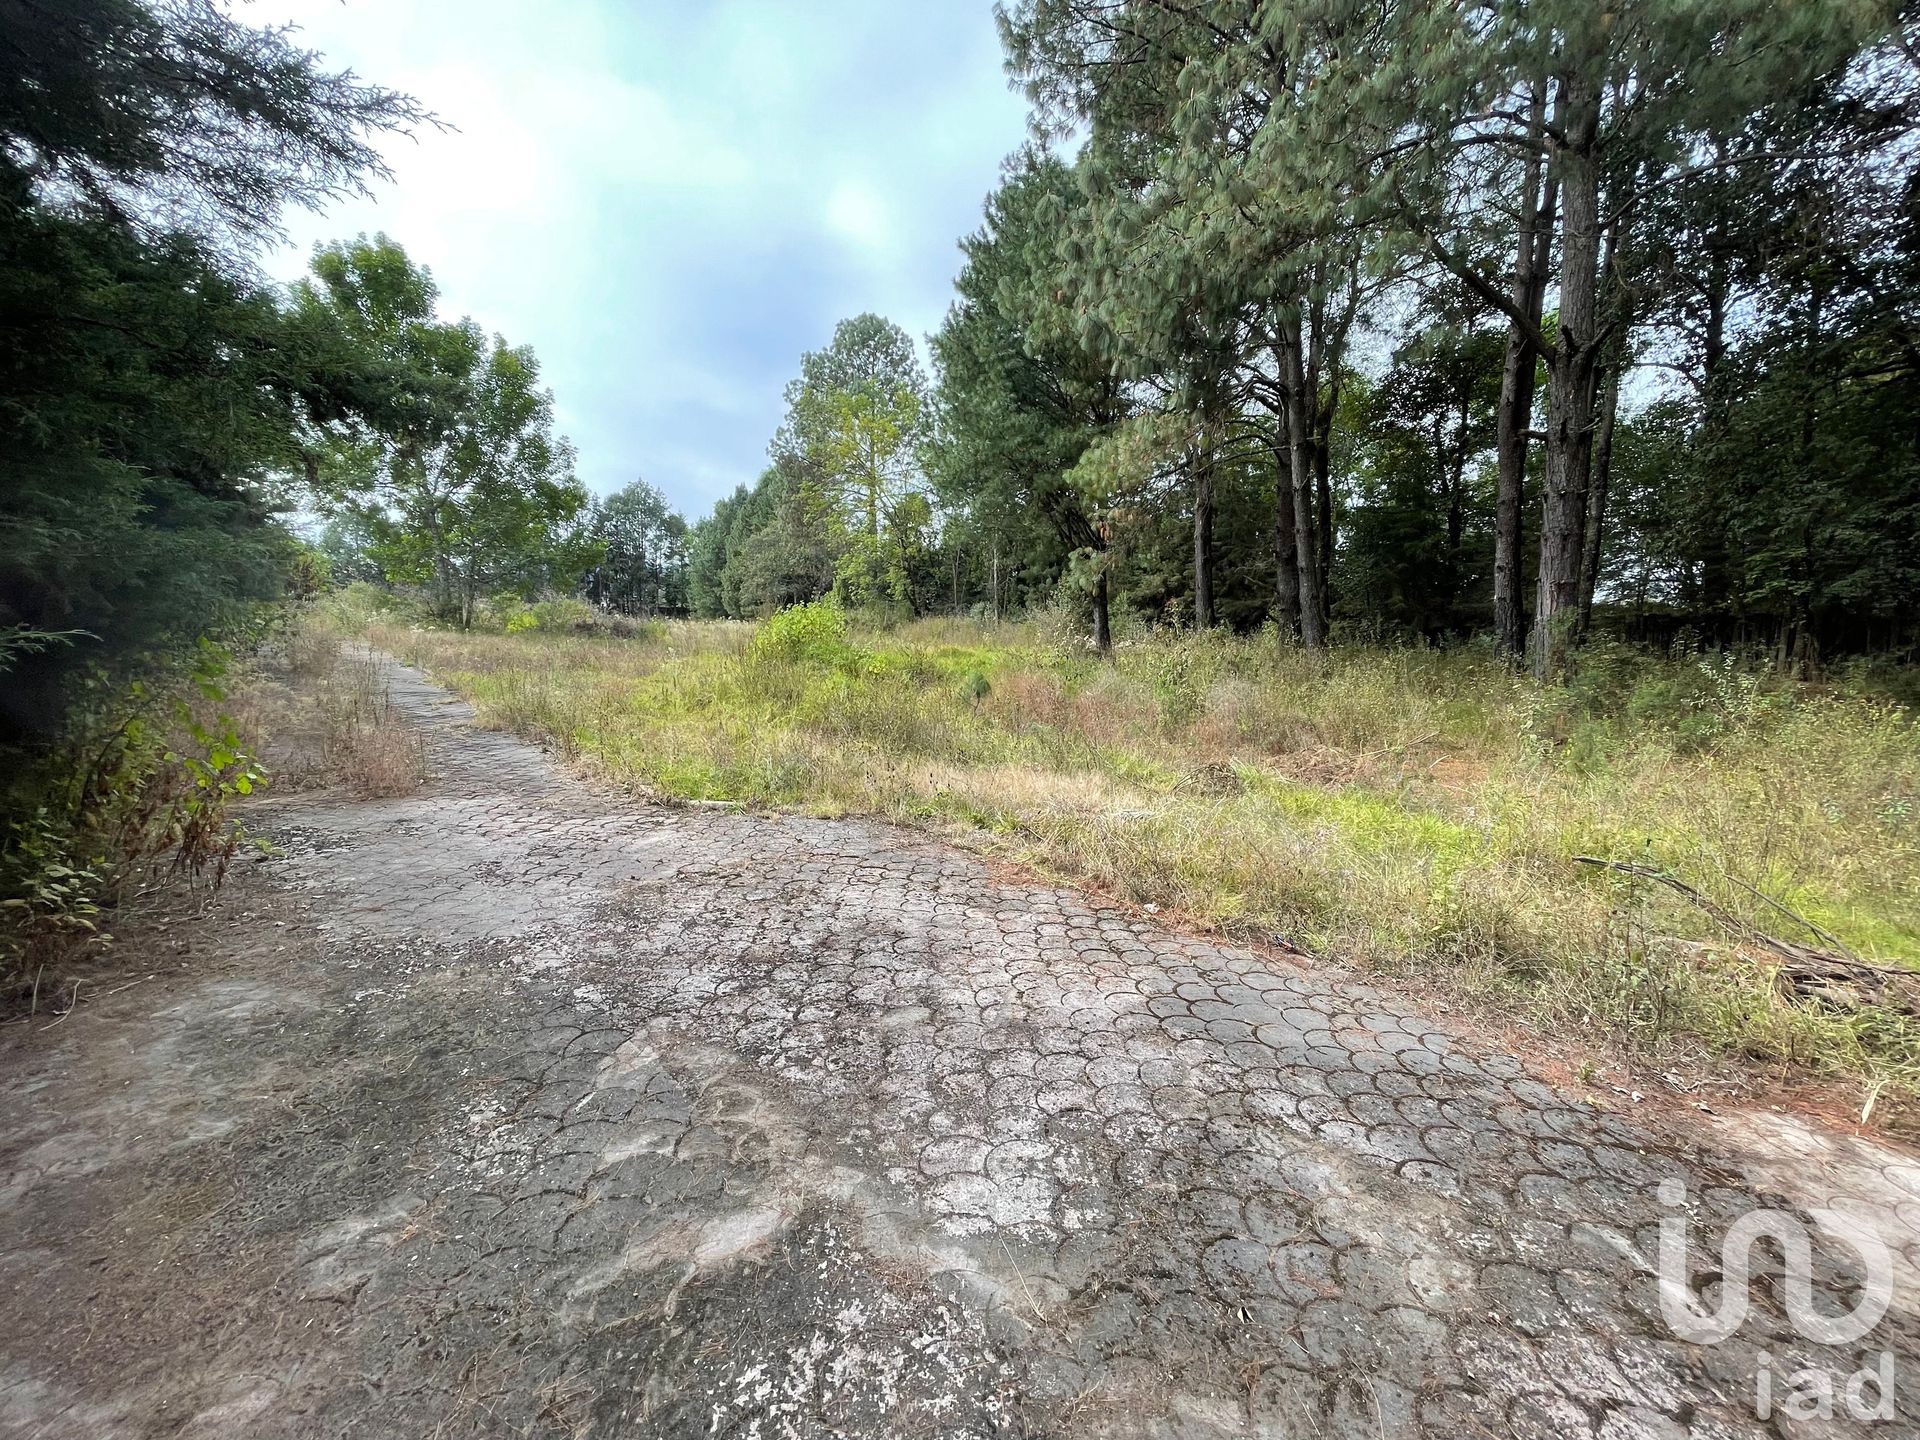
461, 482
707, 556
151, 388
763, 548
855, 419
152, 396
643, 564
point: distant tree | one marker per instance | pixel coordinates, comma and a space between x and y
347, 548
707, 556
788, 561
643, 563
1017, 403
462, 484
773, 545
855, 419
1420, 525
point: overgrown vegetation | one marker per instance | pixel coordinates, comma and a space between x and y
1414, 811
155, 401
137, 794
331, 720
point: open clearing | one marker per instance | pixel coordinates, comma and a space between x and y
513, 1107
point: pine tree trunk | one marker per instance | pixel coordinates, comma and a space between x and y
1102, 617
1717, 587
1203, 535
1456, 482
1570, 387
1313, 633
1321, 407
1596, 536
1527, 287
1323, 519
1286, 558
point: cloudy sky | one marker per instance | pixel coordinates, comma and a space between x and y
670, 200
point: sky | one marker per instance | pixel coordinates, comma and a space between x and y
672, 200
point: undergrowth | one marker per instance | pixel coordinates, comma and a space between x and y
135, 793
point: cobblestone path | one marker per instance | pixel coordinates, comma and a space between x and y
515, 1108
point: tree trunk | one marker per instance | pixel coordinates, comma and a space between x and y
1597, 504
1320, 408
1528, 288
1313, 633
1717, 566
1456, 486
1286, 557
1102, 619
1323, 517
1203, 534
1570, 386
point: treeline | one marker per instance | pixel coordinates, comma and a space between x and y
1408, 320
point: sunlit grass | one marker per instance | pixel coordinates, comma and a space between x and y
1410, 811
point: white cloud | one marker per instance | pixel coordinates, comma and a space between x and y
854, 212
670, 201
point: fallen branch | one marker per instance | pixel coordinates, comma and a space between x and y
1842, 980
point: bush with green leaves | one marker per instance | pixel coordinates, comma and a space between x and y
812, 634
142, 786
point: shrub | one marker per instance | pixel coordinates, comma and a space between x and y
367, 745
811, 634
141, 787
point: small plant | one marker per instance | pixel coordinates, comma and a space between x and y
47, 892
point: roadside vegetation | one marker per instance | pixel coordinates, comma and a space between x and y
163, 410
1413, 812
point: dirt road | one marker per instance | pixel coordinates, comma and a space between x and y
516, 1108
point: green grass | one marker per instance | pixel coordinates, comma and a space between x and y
1410, 811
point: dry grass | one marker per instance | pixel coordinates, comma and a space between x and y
1414, 812
335, 723
369, 746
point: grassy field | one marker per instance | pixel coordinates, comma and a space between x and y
1408, 811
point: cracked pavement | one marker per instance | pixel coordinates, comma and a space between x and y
515, 1107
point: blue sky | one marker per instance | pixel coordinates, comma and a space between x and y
670, 200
